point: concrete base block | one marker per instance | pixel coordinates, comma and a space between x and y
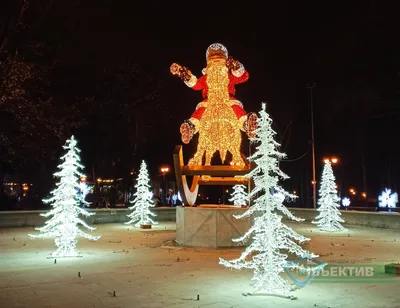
210, 226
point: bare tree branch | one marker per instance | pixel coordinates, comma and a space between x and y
11, 25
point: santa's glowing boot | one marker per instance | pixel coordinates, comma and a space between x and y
251, 125
187, 130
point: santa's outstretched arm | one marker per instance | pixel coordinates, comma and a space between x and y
239, 74
188, 78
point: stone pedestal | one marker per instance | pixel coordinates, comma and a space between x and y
210, 226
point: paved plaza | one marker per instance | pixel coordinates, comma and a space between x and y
145, 269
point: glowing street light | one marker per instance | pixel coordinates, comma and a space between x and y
332, 160
364, 195
164, 170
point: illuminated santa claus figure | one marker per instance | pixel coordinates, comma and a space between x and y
218, 81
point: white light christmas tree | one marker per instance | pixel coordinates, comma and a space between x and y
239, 195
65, 201
328, 218
346, 202
388, 199
271, 239
141, 214
84, 190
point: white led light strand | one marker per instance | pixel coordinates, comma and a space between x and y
329, 216
239, 195
271, 240
388, 199
141, 214
65, 201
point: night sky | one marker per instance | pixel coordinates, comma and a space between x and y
350, 49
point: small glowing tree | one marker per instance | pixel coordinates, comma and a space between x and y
388, 199
141, 214
84, 190
346, 202
329, 216
65, 206
266, 254
239, 195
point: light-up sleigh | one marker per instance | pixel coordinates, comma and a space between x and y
204, 175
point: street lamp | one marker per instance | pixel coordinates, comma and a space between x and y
332, 160
164, 171
314, 181
364, 195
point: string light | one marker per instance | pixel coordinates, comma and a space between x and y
141, 214
388, 199
239, 195
328, 218
346, 202
219, 129
219, 126
271, 240
65, 202
216, 50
